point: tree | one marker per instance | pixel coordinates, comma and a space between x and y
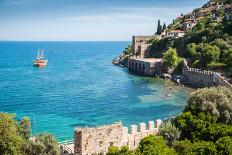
159, 28
116, 151
170, 58
221, 44
154, 145
25, 126
227, 59
216, 101
185, 147
127, 50
207, 116
44, 144
164, 27
208, 54
191, 50
169, 132
10, 139
224, 145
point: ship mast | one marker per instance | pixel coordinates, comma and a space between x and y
42, 55
38, 55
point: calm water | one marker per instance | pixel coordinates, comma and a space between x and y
80, 87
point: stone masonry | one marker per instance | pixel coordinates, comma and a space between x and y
145, 66
97, 140
141, 46
202, 78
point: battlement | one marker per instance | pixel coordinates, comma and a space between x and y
98, 139
203, 78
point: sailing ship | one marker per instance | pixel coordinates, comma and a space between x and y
40, 61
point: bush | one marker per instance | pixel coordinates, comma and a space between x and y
116, 151
224, 145
216, 101
154, 145
185, 147
170, 58
169, 132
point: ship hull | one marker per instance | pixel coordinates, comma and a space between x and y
40, 63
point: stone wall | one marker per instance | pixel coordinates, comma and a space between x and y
97, 140
202, 78
145, 66
140, 46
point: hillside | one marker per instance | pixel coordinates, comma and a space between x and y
207, 39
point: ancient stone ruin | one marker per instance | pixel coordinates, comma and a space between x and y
97, 140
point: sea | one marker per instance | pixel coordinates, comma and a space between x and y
80, 87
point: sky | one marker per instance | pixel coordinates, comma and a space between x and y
86, 20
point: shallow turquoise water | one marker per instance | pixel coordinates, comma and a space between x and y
80, 87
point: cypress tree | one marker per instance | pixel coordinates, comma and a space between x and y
159, 28
164, 27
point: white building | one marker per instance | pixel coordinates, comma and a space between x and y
175, 33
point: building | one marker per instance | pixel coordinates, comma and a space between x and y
191, 15
202, 12
188, 25
147, 66
141, 45
175, 33
97, 140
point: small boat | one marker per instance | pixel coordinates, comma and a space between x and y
40, 61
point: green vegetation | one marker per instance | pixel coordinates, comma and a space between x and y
127, 51
15, 138
170, 133
204, 127
208, 45
116, 151
170, 58
154, 145
206, 122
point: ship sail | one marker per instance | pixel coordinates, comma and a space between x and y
38, 54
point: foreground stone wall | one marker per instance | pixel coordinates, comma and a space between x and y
97, 140
146, 66
203, 78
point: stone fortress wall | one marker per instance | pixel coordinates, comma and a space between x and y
88, 141
203, 78
145, 66
140, 46
140, 62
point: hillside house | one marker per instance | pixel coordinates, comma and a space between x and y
175, 33
188, 25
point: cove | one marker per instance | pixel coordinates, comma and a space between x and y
80, 87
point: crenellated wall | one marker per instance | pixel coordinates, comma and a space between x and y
203, 78
97, 140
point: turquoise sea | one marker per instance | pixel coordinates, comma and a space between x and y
80, 87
